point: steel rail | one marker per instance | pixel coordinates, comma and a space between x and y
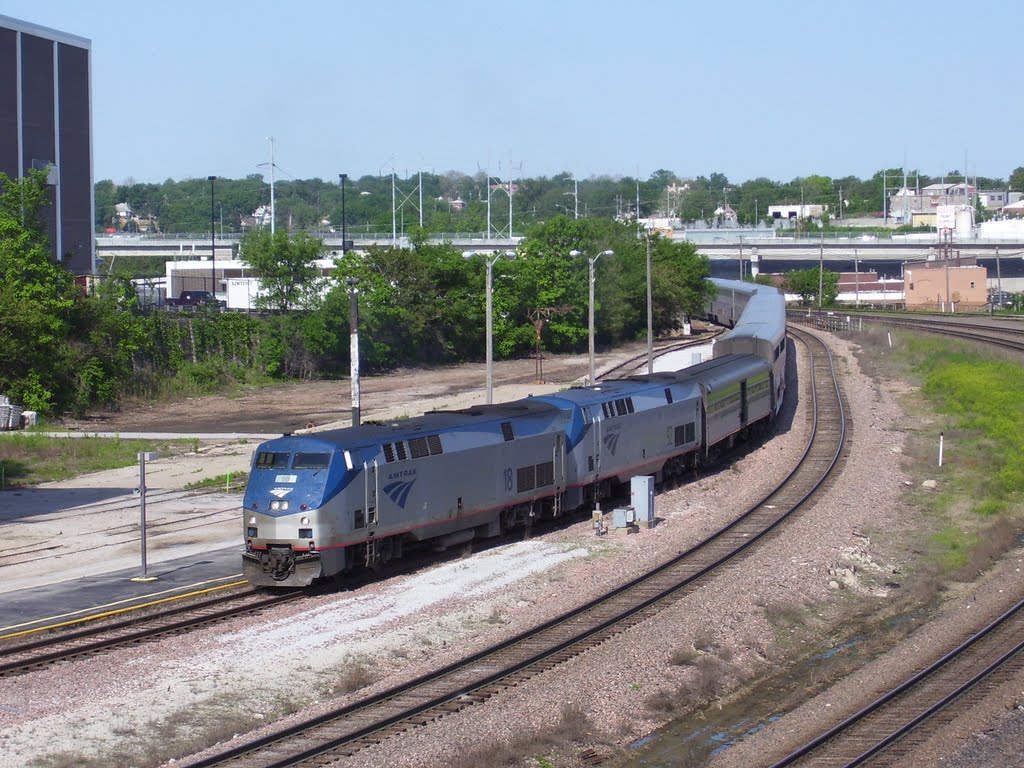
916, 700
489, 672
31, 656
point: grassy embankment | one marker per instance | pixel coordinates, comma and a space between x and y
977, 399
27, 459
966, 513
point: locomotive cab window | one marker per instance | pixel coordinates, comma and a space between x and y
272, 460
311, 460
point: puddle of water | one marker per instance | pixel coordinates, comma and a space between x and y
852, 643
701, 735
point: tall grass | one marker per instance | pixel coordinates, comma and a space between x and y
980, 401
27, 459
208, 377
983, 400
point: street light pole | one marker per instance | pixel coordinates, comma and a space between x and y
273, 213
590, 310
344, 237
489, 290
353, 296
213, 246
489, 309
650, 312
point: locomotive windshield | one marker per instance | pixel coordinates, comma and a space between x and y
276, 460
272, 460
311, 460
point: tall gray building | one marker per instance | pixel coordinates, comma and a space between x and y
46, 122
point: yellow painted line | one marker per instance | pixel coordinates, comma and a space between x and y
114, 611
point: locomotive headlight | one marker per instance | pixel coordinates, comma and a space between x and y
252, 519
275, 505
304, 521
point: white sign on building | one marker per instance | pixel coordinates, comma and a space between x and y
945, 217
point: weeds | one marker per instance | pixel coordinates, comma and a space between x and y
709, 681
572, 727
663, 701
355, 675
785, 614
28, 459
704, 641
683, 657
229, 482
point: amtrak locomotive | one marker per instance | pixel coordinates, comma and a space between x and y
324, 504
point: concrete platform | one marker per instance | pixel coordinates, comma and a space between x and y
67, 602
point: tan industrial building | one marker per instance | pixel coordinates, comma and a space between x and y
945, 285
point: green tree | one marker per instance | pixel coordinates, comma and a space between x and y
806, 282
286, 267
108, 334
37, 300
1017, 179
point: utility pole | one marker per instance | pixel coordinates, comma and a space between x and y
650, 312
344, 233
353, 295
885, 208
213, 242
999, 282
273, 217
821, 270
856, 277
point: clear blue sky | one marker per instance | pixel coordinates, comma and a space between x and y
187, 89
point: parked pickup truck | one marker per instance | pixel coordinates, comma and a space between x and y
195, 299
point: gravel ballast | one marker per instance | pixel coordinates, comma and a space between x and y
150, 703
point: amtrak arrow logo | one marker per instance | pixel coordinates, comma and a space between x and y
280, 492
611, 442
398, 491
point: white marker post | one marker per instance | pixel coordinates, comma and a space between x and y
940, 448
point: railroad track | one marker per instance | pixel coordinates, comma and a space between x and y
122, 532
475, 679
25, 657
1001, 336
628, 367
888, 729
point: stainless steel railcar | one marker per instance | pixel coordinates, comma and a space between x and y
323, 504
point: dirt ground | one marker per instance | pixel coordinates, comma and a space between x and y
298, 405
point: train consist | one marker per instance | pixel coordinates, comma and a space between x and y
324, 504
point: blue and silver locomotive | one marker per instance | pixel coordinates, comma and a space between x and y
324, 504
